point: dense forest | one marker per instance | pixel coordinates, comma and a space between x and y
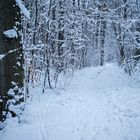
54, 38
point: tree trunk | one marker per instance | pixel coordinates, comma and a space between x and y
11, 70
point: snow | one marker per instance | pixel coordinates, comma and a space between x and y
11, 93
18, 63
23, 8
11, 33
100, 103
2, 56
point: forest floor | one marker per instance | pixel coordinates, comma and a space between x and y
98, 104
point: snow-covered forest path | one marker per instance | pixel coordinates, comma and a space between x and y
98, 104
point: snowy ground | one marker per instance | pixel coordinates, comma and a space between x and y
98, 104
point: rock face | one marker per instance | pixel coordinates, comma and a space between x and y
10, 72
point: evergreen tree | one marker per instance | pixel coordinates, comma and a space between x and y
11, 65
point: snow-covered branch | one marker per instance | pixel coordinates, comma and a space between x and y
23, 8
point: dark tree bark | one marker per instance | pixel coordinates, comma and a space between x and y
11, 69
